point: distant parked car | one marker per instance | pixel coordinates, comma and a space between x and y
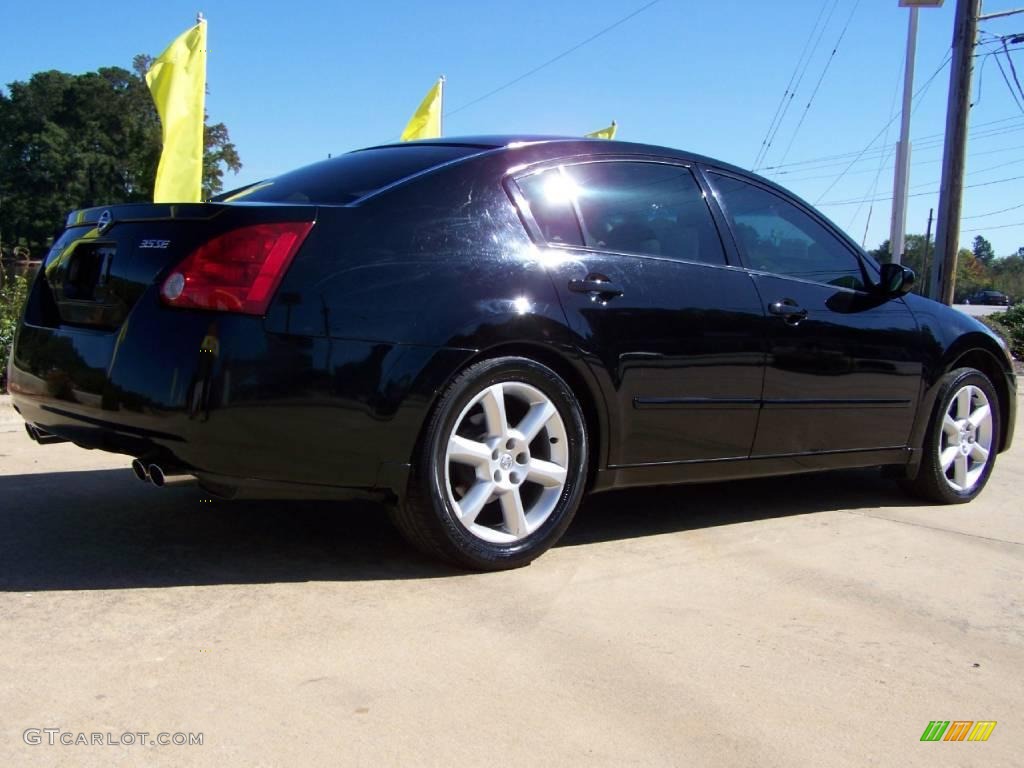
478, 330
990, 298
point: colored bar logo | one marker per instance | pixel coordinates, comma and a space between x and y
958, 730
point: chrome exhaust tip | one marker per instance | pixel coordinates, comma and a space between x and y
43, 437
140, 470
164, 476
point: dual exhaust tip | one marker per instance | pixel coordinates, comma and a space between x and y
160, 476
41, 436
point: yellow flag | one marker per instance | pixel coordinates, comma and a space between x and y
426, 120
177, 80
605, 133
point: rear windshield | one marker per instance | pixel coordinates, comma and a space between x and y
349, 177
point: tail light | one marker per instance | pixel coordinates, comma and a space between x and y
237, 271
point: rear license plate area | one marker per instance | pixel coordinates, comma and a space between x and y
87, 273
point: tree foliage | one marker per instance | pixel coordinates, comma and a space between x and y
982, 250
13, 291
74, 141
977, 268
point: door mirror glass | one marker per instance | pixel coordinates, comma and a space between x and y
896, 280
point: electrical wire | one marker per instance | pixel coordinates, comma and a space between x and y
1008, 86
1013, 69
922, 146
1000, 226
773, 130
920, 93
553, 59
922, 194
872, 153
993, 213
821, 78
882, 161
915, 163
789, 85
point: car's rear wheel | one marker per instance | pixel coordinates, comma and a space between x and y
502, 467
962, 440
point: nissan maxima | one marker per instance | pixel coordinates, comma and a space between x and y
478, 331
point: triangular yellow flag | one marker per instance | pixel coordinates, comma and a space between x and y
426, 120
605, 133
177, 80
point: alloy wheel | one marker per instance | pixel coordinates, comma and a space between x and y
506, 462
965, 444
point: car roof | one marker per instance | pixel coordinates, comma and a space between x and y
570, 143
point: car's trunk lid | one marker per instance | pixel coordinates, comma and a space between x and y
107, 257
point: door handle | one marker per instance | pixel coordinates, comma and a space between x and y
788, 310
595, 284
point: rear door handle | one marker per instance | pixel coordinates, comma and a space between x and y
595, 285
789, 310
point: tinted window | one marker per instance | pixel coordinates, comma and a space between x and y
348, 177
779, 237
549, 194
645, 208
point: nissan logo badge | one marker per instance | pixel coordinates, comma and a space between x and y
104, 222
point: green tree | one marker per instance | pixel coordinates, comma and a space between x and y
982, 250
914, 256
1008, 275
74, 141
971, 275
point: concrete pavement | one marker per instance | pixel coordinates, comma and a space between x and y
978, 310
814, 621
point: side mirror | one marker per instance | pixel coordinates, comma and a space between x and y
896, 280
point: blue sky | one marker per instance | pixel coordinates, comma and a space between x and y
296, 81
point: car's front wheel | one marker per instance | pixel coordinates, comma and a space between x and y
502, 467
962, 440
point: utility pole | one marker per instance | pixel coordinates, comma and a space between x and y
947, 230
927, 248
897, 228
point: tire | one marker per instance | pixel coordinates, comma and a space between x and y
486, 495
962, 440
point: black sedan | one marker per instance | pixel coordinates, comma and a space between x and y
990, 298
478, 331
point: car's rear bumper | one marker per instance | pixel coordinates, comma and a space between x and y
218, 396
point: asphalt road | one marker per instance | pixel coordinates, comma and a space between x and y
820, 621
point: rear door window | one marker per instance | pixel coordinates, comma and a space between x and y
646, 208
550, 197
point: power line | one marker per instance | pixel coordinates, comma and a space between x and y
873, 154
1001, 226
552, 60
922, 194
1008, 86
789, 85
920, 92
915, 163
993, 213
774, 131
882, 161
918, 141
821, 78
980, 170
1013, 69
